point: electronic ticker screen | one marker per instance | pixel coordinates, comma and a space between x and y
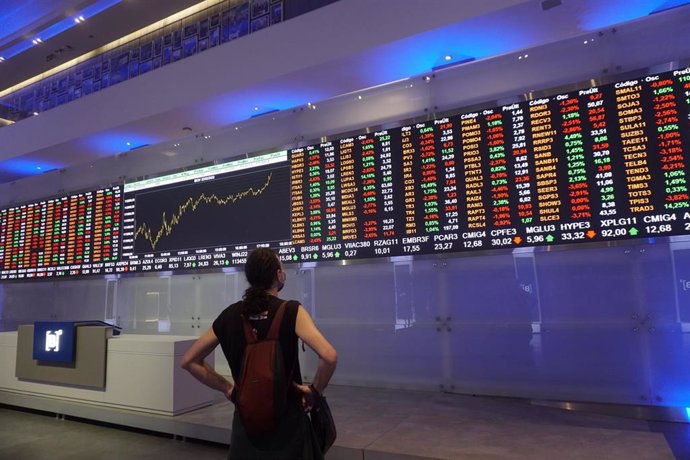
70, 235
207, 217
591, 165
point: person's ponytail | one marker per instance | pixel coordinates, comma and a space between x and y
255, 300
260, 270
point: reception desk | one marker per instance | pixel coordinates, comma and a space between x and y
142, 374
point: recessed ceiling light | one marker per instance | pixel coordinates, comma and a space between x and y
129, 143
35, 113
448, 57
256, 108
427, 79
38, 167
2, 59
359, 97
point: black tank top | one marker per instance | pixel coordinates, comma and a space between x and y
229, 331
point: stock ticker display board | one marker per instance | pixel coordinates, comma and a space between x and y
48, 237
596, 164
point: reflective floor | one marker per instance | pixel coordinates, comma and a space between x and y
375, 424
29, 436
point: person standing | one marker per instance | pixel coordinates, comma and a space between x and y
293, 437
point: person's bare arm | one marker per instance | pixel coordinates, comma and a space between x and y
328, 358
194, 362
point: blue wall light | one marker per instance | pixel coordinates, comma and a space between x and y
613, 12
114, 143
234, 107
27, 167
451, 60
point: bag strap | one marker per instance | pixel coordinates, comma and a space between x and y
273, 333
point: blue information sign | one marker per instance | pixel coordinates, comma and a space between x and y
54, 341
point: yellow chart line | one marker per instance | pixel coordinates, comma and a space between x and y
191, 205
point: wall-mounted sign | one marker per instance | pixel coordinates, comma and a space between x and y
54, 341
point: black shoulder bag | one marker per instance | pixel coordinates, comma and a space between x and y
322, 421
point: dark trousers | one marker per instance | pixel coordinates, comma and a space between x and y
292, 440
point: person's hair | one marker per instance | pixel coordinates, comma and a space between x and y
260, 271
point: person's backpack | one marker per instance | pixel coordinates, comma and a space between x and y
262, 390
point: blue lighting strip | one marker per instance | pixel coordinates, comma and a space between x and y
59, 27
453, 62
669, 5
265, 113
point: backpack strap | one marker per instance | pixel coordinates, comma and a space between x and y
273, 333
